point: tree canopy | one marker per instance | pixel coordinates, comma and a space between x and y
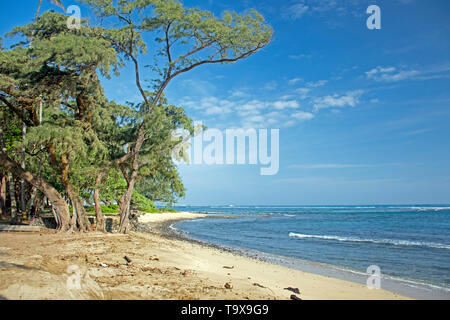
78, 147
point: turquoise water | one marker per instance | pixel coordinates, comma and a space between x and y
408, 243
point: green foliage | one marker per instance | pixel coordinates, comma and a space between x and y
139, 202
11, 127
81, 135
168, 210
149, 210
111, 209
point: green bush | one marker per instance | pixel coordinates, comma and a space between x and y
113, 208
168, 210
148, 210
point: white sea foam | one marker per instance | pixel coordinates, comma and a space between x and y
380, 241
414, 208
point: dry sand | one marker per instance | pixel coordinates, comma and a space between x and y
35, 265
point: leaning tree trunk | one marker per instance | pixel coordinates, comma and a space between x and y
124, 204
98, 207
60, 206
125, 201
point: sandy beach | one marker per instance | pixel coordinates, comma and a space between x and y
152, 266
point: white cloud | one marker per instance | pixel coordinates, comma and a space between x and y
299, 56
238, 94
295, 11
377, 70
316, 84
281, 105
209, 105
303, 92
249, 114
391, 74
295, 80
272, 85
350, 99
251, 108
216, 110
301, 115
256, 119
416, 132
319, 7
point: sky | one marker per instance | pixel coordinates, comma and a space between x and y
363, 115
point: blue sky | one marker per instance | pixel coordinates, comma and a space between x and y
363, 114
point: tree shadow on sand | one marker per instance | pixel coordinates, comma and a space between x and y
14, 265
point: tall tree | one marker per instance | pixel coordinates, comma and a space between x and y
196, 36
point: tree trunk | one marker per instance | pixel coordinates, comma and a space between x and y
79, 221
34, 196
57, 219
124, 204
73, 221
23, 207
36, 204
82, 219
60, 206
98, 208
3, 197
83, 222
12, 196
125, 200
32, 201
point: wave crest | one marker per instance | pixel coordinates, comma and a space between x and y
379, 241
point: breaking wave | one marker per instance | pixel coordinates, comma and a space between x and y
379, 241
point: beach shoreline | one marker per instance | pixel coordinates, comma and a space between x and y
405, 288
34, 266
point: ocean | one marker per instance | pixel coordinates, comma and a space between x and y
410, 244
